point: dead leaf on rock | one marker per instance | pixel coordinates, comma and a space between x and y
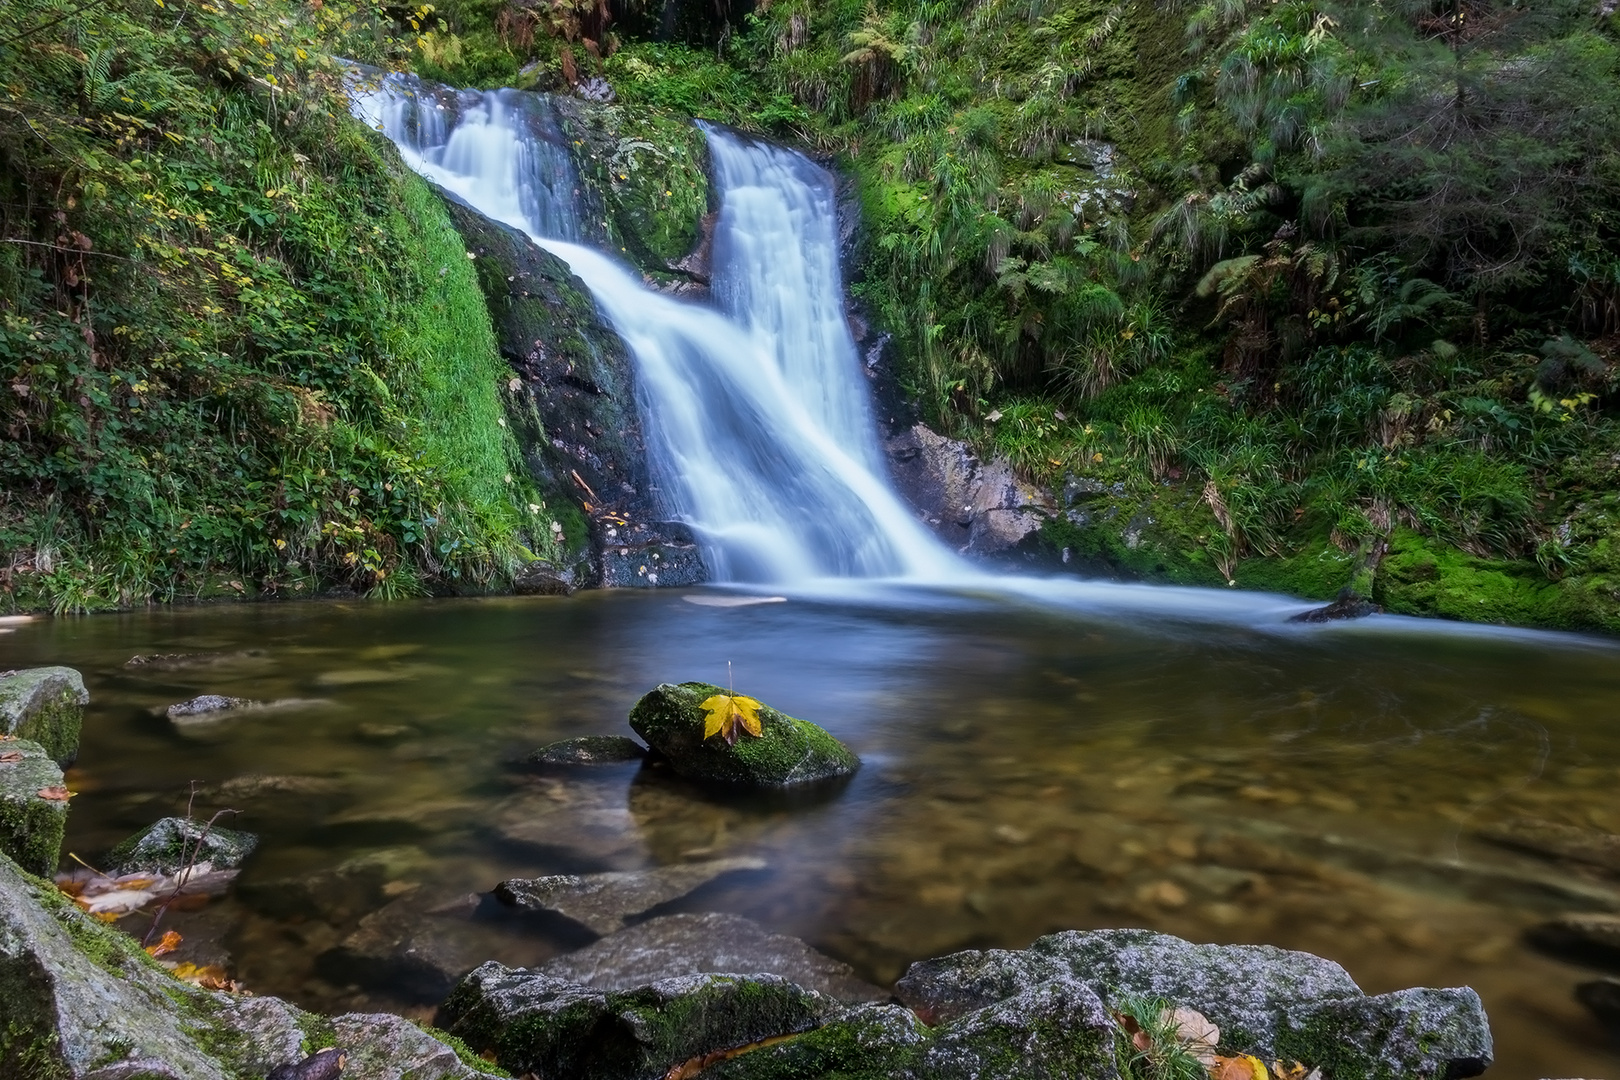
10, 757
729, 715
56, 794
1195, 1032
209, 977
1242, 1067
169, 942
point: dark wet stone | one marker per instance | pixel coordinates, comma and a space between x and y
410, 949
1054, 1029
339, 895
207, 707
602, 902
171, 844
789, 753
45, 705
1267, 1001
541, 579
710, 943
31, 827
1602, 997
1348, 605
1551, 840
588, 750
551, 1027
1591, 938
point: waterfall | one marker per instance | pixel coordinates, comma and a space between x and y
756, 415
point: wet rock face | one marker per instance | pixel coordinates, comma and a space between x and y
31, 827
789, 753
711, 943
171, 844
551, 1027
1267, 1001
572, 405
45, 705
601, 903
979, 508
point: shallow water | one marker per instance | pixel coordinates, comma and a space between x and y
1028, 769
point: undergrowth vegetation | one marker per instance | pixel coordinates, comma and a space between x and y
243, 350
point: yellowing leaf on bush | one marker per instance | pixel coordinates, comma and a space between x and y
729, 714
1242, 1067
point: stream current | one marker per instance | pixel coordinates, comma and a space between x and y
1040, 754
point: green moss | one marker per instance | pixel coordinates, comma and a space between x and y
31, 828
1316, 570
1421, 576
788, 751
463, 1052
26, 1054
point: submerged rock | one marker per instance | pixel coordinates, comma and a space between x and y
535, 1023
602, 902
207, 708
171, 844
587, 750
1552, 840
586, 825
1591, 938
31, 825
712, 943
45, 705
339, 895
1602, 997
1348, 605
410, 949
1267, 1001
788, 753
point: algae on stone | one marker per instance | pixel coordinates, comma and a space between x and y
31, 827
789, 753
46, 705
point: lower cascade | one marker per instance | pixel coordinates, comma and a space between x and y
759, 430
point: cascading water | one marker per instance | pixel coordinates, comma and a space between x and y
757, 422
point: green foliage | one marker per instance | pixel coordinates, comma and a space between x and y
242, 350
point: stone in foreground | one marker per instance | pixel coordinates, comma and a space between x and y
1269, 1002
81, 1001
46, 705
712, 943
31, 826
587, 750
171, 844
789, 753
602, 902
553, 1028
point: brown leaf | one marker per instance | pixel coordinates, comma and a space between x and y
1242, 1067
169, 942
55, 794
1195, 1032
10, 757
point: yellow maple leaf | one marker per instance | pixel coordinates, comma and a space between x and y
728, 714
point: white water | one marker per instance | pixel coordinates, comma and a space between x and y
757, 420
757, 423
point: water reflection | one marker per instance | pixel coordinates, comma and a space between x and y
1028, 769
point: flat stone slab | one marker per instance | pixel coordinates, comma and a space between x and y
46, 705
602, 902
31, 826
711, 943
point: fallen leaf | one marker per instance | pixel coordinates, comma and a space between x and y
169, 942
1196, 1033
209, 977
56, 794
728, 715
10, 757
1242, 1067
1294, 1071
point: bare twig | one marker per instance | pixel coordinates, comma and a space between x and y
183, 878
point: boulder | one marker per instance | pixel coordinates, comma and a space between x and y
554, 1028
976, 507
587, 750
45, 705
31, 827
712, 943
171, 844
1267, 1001
603, 902
790, 753
541, 579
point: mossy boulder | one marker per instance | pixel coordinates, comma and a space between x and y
31, 827
46, 705
171, 844
789, 752
536, 1023
644, 178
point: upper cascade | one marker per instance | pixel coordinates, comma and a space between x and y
759, 431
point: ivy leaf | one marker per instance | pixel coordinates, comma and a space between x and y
729, 714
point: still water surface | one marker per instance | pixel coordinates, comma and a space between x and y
1026, 771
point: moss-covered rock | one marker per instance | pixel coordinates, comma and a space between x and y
787, 754
46, 705
644, 177
171, 844
1421, 576
535, 1023
31, 827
